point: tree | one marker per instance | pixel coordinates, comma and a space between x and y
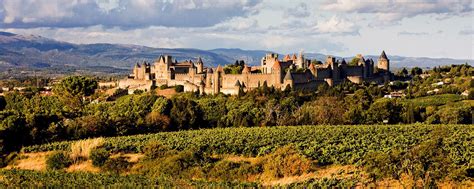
324, 110
384, 111
316, 62
416, 71
185, 114
77, 86
354, 61
72, 91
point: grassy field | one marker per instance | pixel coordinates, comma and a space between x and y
330, 148
436, 100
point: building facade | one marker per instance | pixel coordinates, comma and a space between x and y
293, 71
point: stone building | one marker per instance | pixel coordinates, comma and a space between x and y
292, 71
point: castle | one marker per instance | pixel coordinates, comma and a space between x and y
293, 72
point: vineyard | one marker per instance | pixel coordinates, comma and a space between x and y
326, 144
60, 179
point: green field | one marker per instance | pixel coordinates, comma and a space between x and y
326, 144
436, 100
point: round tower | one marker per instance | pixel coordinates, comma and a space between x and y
383, 62
199, 65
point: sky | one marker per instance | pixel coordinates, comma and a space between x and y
418, 28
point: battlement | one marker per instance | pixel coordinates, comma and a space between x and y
273, 72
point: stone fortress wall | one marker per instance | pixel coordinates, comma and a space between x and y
292, 71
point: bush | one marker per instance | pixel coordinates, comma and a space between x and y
163, 86
116, 165
233, 171
99, 156
286, 161
154, 150
179, 88
58, 160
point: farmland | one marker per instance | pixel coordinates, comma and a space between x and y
361, 146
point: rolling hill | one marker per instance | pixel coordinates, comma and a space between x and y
30, 52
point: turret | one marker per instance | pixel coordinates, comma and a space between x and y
200, 65
383, 62
135, 70
300, 62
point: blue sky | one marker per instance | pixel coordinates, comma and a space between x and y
429, 28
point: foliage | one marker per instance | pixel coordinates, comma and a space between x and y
179, 88
77, 86
428, 161
58, 160
232, 171
326, 183
286, 162
185, 114
325, 110
99, 156
435, 100
385, 111
61, 179
155, 150
333, 144
116, 165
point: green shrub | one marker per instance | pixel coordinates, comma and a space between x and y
116, 165
179, 88
99, 156
233, 171
58, 160
286, 161
163, 86
154, 150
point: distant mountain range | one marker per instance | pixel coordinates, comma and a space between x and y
36, 52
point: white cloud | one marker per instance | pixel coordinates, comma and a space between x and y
466, 32
121, 13
413, 33
337, 25
392, 11
301, 10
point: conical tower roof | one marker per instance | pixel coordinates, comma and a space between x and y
343, 61
276, 65
383, 55
199, 61
161, 59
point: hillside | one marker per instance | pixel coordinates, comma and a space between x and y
340, 156
36, 52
